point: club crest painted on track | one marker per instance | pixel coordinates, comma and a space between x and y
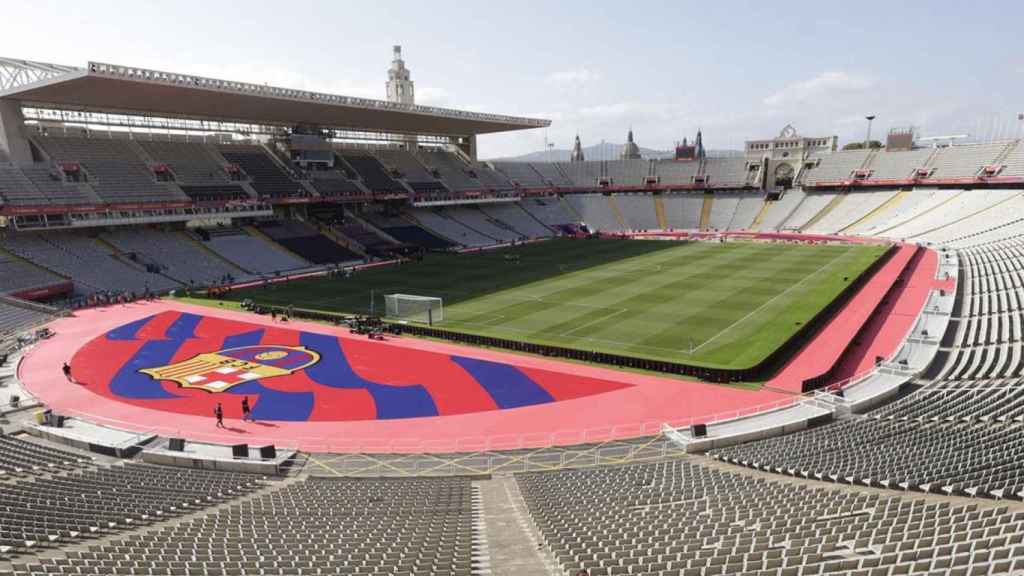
222, 370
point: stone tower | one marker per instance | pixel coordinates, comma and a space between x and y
577, 151
400, 87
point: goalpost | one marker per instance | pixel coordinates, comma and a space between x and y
422, 309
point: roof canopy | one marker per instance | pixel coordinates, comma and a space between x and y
124, 89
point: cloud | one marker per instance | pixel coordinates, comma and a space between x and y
573, 76
608, 111
823, 87
433, 96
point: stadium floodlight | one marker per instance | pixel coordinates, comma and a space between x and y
867, 140
414, 308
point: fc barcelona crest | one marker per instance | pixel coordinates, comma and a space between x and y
219, 371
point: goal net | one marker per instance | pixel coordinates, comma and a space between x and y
423, 309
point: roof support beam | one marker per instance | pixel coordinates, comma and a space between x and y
15, 73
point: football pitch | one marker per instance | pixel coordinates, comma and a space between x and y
710, 304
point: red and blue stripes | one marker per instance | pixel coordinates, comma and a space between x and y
354, 379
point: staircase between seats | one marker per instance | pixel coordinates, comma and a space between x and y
705, 211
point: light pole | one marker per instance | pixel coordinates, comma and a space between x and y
867, 140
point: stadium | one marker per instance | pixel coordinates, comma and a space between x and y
250, 329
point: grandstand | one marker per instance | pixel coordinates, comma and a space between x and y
815, 368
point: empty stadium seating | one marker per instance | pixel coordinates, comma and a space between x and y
19, 458
250, 253
408, 232
679, 518
91, 502
116, 171
374, 176
453, 171
17, 275
15, 317
316, 526
522, 174
92, 266
550, 211
446, 224
412, 171
305, 241
267, 177
176, 255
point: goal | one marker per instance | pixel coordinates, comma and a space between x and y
423, 309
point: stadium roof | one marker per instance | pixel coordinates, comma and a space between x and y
131, 90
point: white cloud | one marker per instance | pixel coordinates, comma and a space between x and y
573, 76
823, 87
608, 111
433, 96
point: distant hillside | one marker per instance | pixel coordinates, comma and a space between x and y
604, 151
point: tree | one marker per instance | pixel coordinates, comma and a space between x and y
874, 144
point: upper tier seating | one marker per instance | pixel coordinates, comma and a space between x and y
836, 166
91, 266
552, 174
116, 172
679, 518
178, 255
39, 186
628, 172
513, 215
1013, 163
676, 171
374, 176
315, 526
52, 186
267, 178
582, 174
726, 172
523, 174
886, 165
491, 178
193, 163
452, 170
95, 502
16, 189
305, 241
964, 161
17, 275
255, 255
333, 184
413, 172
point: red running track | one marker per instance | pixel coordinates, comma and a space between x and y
495, 407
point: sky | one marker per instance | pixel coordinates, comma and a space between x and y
737, 70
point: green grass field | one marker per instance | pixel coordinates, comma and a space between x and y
719, 305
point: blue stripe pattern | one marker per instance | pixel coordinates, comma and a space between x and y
334, 370
507, 385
